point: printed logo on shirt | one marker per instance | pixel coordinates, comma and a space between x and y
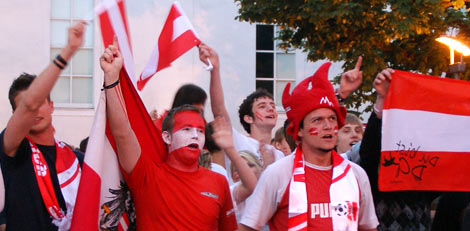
231, 211
209, 194
326, 210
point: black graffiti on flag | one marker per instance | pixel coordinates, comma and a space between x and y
403, 156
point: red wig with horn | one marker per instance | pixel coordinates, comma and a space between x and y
312, 93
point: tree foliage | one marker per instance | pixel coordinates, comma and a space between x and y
396, 33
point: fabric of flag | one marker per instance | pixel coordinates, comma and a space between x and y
177, 37
425, 134
104, 201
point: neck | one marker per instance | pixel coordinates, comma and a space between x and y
45, 137
261, 134
173, 162
317, 156
218, 158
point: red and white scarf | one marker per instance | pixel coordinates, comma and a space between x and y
68, 173
344, 195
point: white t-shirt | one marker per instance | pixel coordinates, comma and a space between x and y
219, 169
245, 143
263, 202
239, 207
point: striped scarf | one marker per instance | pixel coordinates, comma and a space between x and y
68, 173
344, 195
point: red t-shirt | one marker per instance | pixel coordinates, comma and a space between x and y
318, 197
168, 199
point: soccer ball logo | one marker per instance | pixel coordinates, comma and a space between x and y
341, 209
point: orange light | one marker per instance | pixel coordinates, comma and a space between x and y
454, 45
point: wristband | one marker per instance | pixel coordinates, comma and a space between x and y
111, 85
61, 60
58, 65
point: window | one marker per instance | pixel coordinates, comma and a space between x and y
74, 88
274, 67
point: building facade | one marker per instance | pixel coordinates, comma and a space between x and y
33, 32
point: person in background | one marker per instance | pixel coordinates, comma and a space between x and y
349, 138
280, 142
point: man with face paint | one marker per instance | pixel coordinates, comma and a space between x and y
174, 194
315, 188
258, 114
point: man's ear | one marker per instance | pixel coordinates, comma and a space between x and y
248, 119
166, 137
51, 104
299, 133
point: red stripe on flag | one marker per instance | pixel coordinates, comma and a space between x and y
440, 95
88, 200
434, 171
170, 51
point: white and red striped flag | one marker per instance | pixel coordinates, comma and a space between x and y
177, 37
103, 200
425, 134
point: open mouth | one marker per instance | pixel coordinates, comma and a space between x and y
328, 137
37, 120
270, 117
193, 146
352, 143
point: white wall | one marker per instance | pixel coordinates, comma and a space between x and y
24, 46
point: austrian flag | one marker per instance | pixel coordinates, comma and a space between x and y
177, 37
425, 134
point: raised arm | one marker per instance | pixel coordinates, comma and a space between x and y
350, 80
215, 89
28, 104
127, 145
223, 138
371, 141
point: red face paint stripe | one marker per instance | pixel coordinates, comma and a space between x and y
188, 119
259, 116
313, 131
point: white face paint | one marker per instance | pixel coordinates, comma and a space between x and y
190, 137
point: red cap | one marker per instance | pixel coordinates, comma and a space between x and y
312, 93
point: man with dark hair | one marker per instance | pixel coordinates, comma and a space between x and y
172, 193
41, 173
186, 94
190, 94
261, 99
314, 188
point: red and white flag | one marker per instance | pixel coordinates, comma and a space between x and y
103, 200
177, 37
425, 134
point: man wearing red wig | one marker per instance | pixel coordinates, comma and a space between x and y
314, 189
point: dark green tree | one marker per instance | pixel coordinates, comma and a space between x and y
396, 33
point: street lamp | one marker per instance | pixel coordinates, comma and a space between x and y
455, 45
